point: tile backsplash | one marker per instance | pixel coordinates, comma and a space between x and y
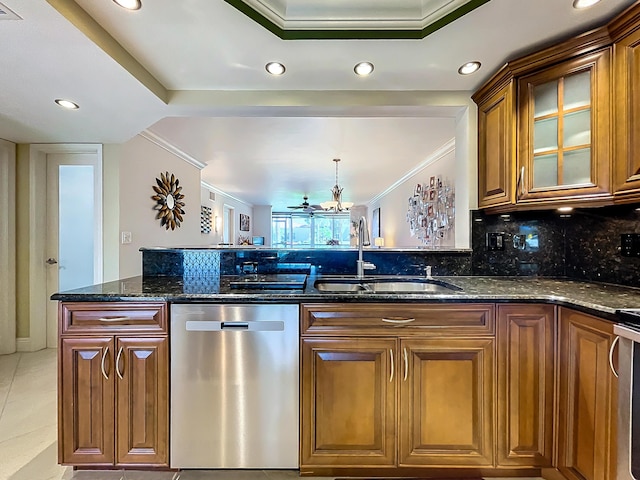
584, 244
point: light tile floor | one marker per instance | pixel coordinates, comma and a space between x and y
28, 429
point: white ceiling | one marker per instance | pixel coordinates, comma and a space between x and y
192, 72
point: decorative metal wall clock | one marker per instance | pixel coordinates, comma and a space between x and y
169, 202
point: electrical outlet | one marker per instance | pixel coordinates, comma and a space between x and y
125, 238
630, 244
495, 241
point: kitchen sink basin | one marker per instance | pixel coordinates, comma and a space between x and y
384, 285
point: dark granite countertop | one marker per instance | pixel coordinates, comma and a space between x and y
598, 298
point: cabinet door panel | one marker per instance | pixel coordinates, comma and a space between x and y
142, 395
627, 111
588, 396
348, 402
445, 413
526, 347
496, 148
86, 409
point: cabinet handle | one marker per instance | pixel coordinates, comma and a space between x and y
118, 363
522, 181
613, 346
113, 319
406, 364
104, 356
391, 357
398, 320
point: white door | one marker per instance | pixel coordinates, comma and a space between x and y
74, 227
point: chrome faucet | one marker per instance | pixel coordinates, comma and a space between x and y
363, 239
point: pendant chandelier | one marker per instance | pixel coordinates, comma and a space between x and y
336, 204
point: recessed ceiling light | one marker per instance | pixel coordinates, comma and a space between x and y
468, 68
565, 209
363, 68
275, 68
68, 104
584, 3
130, 4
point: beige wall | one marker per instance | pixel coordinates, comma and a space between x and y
139, 163
394, 227
217, 208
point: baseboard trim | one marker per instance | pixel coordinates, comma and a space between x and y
24, 344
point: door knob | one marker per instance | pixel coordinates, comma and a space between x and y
52, 261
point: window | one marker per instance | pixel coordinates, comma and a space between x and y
306, 230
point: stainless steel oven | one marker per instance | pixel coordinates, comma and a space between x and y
628, 395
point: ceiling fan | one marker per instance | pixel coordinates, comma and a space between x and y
305, 206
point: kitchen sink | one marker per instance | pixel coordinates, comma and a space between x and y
385, 285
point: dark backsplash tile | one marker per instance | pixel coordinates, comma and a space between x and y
533, 245
584, 245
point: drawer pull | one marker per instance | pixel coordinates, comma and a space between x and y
398, 320
613, 346
391, 357
104, 356
118, 363
114, 319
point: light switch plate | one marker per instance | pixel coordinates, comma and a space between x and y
125, 238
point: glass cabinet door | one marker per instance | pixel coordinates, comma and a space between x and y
564, 130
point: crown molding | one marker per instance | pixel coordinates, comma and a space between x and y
441, 152
171, 148
221, 192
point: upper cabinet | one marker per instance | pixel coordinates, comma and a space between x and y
496, 142
564, 126
560, 126
625, 32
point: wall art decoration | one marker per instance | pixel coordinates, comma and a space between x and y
431, 211
244, 222
169, 204
205, 219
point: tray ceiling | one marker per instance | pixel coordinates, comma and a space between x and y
354, 19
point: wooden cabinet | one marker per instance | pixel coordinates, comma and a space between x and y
496, 142
446, 398
564, 125
587, 398
113, 388
348, 401
412, 392
526, 366
625, 32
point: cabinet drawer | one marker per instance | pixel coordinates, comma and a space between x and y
403, 319
87, 317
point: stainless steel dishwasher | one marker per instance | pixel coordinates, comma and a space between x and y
234, 386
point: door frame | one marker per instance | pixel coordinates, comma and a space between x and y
37, 285
7, 247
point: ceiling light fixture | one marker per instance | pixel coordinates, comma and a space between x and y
68, 104
579, 4
130, 4
363, 68
565, 209
275, 68
336, 204
469, 68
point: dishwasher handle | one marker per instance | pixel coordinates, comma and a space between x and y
217, 325
234, 325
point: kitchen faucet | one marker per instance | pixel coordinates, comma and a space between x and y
363, 239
